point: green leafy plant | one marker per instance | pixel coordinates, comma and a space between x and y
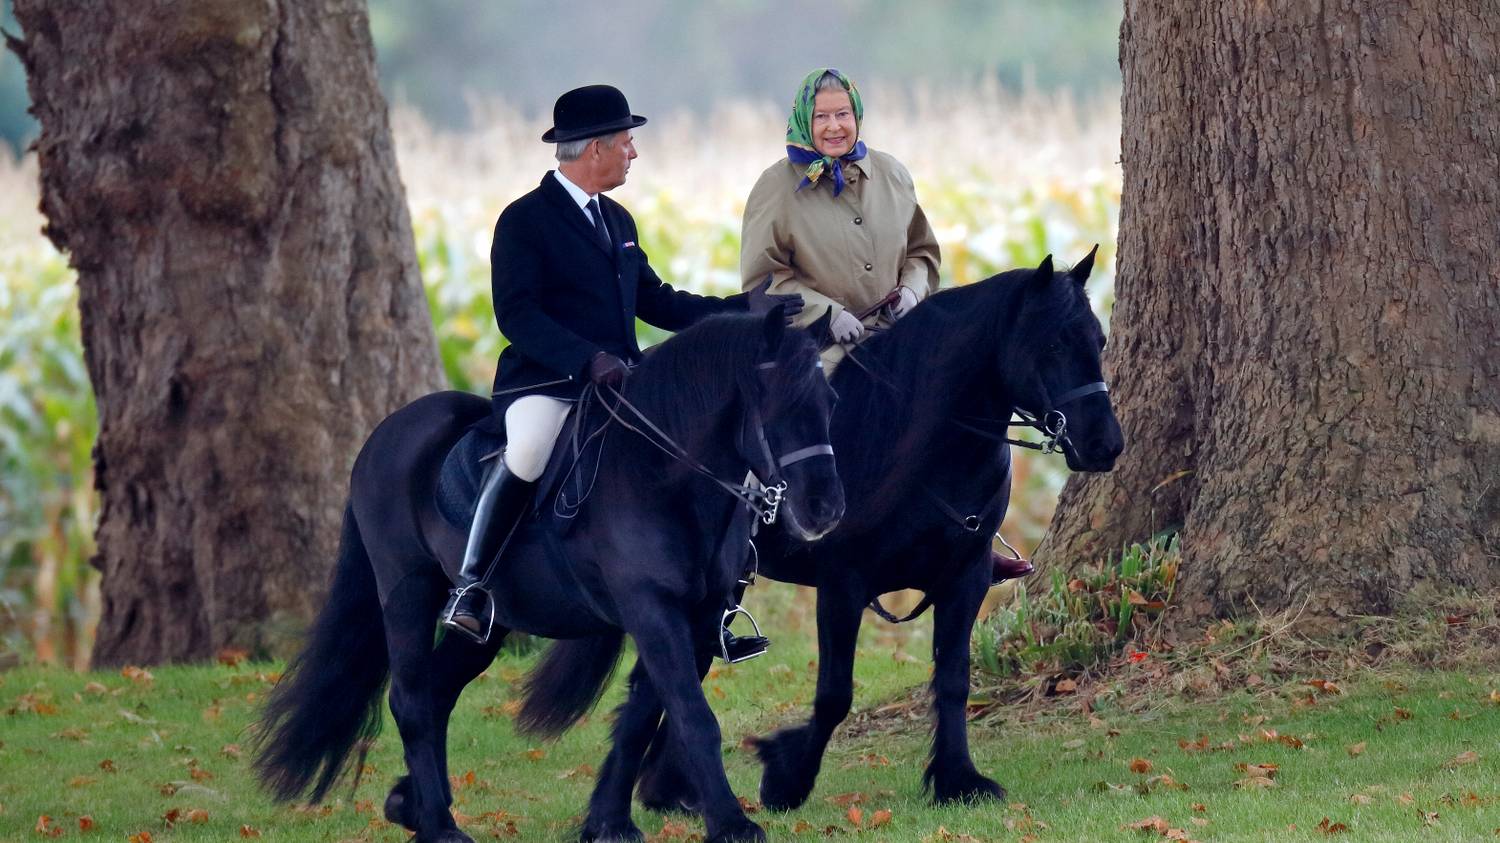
1078, 623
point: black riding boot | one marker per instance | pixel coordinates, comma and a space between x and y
503, 498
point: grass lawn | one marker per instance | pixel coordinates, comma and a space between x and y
1390, 756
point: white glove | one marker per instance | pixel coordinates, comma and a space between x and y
905, 301
845, 327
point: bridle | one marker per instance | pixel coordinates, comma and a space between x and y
1053, 424
773, 486
764, 499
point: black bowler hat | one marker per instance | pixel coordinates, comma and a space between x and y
589, 112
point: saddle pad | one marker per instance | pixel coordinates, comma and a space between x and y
462, 472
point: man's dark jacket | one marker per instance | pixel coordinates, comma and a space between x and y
561, 297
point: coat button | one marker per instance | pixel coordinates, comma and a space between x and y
869, 267
858, 220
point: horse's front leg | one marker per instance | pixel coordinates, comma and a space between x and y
636, 721
951, 775
792, 756
665, 640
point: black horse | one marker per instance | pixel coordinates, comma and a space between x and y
654, 551
920, 435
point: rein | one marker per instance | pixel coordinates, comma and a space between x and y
763, 500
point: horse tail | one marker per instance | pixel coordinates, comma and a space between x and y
329, 697
568, 682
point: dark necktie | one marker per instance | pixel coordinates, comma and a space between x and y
601, 231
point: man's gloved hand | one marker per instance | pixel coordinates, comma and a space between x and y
846, 327
759, 301
605, 369
905, 301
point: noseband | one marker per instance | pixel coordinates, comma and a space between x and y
1053, 424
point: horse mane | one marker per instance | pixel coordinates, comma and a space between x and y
693, 375
903, 385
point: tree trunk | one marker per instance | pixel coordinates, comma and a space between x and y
1304, 341
221, 173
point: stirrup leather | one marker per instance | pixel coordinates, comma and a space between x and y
452, 607
724, 624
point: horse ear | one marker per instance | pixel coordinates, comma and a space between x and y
774, 325
1080, 272
1044, 272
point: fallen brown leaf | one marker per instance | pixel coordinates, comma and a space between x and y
1151, 823
85, 823
247, 831
1065, 686
880, 818
1140, 765
1267, 770
1255, 782
855, 815
1461, 759
1328, 827
1356, 750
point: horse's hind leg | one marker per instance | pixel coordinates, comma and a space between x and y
411, 616
792, 756
951, 775
456, 661
636, 720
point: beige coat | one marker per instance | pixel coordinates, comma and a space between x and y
845, 252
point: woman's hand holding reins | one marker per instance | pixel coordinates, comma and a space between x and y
846, 327
906, 299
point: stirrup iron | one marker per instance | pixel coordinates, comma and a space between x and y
724, 625
489, 622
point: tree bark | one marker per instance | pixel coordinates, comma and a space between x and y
1304, 341
222, 175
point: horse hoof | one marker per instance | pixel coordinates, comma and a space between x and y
665, 793
451, 835
395, 805
611, 833
668, 806
783, 784
967, 787
740, 831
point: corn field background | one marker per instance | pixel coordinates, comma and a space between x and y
1005, 179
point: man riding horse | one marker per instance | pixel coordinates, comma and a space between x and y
569, 279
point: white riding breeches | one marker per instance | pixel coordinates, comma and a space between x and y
531, 427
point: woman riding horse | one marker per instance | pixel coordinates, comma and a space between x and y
923, 452
839, 223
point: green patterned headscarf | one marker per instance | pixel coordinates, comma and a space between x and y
799, 142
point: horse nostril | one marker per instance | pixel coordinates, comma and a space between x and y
825, 511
